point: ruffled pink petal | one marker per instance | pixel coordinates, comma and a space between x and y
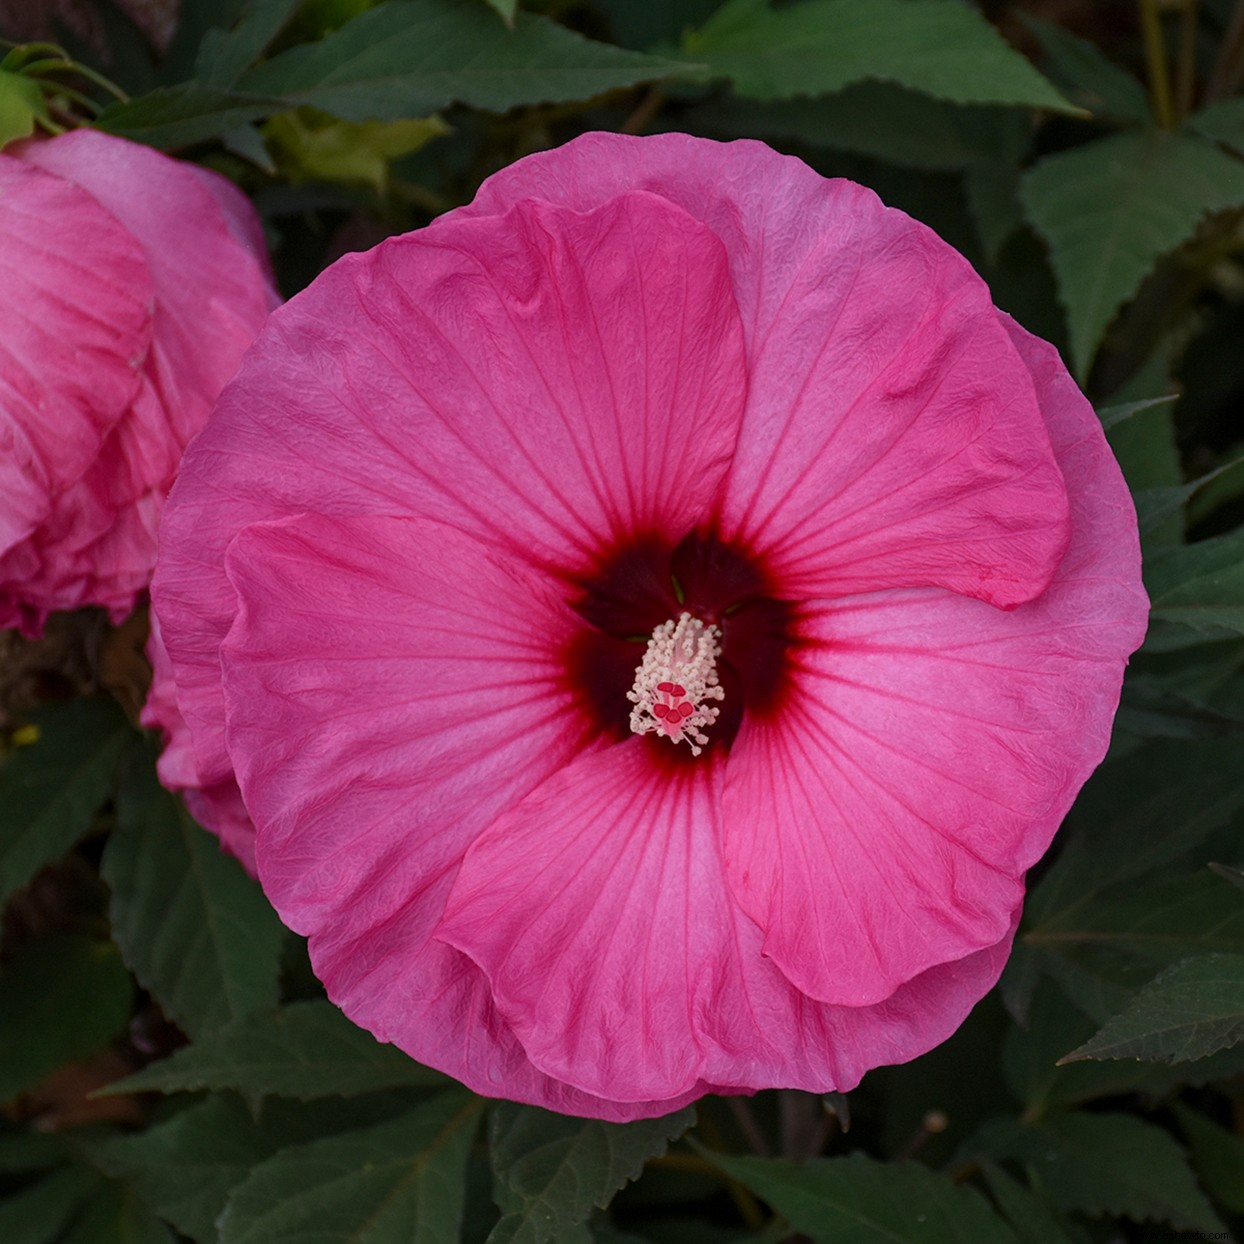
599, 911
75, 331
548, 381
392, 687
212, 292
882, 822
892, 438
218, 808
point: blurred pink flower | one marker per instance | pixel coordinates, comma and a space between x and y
130, 286
652, 425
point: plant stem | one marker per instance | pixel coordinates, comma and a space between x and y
1156, 65
1185, 68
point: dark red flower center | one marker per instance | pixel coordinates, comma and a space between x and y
646, 582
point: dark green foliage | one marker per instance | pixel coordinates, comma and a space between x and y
51, 788
193, 928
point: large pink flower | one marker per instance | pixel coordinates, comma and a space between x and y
130, 286
468, 482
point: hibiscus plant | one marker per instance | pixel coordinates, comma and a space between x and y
622, 621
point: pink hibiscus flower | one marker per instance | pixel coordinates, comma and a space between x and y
130, 286
655, 615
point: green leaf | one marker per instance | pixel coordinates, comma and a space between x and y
1032, 1219
1233, 875
113, 1214
856, 1200
1199, 588
1106, 950
61, 998
878, 120
1137, 815
1030, 1062
414, 57
186, 1167
51, 789
24, 1150
193, 927
991, 188
39, 1214
1088, 78
1110, 209
1112, 416
1222, 122
644, 25
1191, 1010
938, 47
306, 1050
390, 1184
180, 116
312, 145
549, 1171
21, 105
224, 56
1105, 1164
1218, 1156
504, 9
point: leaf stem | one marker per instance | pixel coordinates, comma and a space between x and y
1156, 64
1185, 65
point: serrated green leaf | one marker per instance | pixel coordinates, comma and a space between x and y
1199, 588
306, 1050
1109, 210
991, 188
1031, 1218
938, 47
51, 788
874, 119
1088, 78
193, 927
1156, 713
39, 1214
195, 20
1105, 1164
1105, 951
1222, 122
1112, 416
225, 55
412, 58
643, 25
61, 998
550, 1171
180, 116
1136, 815
856, 1200
1218, 1156
400, 1181
185, 1167
1227, 873
506, 10
1030, 1062
1192, 1010
113, 1214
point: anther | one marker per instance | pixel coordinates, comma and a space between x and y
676, 682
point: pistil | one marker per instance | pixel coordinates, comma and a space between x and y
677, 682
